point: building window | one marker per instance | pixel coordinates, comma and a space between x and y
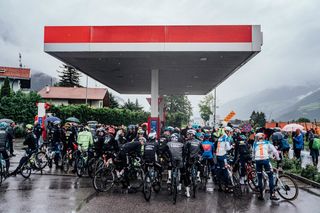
100, 104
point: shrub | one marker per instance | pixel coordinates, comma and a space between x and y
113, 116
309, 172
19, 132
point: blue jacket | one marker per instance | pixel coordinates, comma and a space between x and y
207, 148
298, 141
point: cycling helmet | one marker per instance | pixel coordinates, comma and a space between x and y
131, 126
228, 129
199, 135
3, 125
242, 138
169, 128
56, 123
140, 132
191, 132
259, 136
174, 137
206, 135
29, 127
152, 136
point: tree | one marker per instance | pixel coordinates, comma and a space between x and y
132, 106
258, 119
205, 107
113, 102
69, 76
178, 110
20, 107
303, 120
5, 89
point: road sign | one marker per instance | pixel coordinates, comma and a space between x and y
229, 116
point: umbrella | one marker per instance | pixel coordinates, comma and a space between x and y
6, 120
92, 122
292, 127
277, 136
73, 119
52, 119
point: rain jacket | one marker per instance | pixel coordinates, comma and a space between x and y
298, 141
261, 150
85, 140
223, 145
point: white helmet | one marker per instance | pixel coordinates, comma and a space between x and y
228, 128
191, 131
174, 137
259, 136
152, 135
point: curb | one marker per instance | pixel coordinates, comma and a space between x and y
304, 180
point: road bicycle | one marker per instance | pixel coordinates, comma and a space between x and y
33, 160
3, 169
109, 176
152, 180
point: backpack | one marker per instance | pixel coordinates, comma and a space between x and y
316, 143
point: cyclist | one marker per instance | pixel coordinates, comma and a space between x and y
176, 152
260, 153
151, 153
110, 143
85, 141
207, 148
4, 137
127, 151
242, 155
192, 154
101, 136
31, 142
70, 136
131, 134
223, 146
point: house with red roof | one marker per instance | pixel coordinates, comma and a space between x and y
19, 78
95, 97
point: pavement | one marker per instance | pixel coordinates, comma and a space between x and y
55, 192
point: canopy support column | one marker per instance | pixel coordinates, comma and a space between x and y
154, 93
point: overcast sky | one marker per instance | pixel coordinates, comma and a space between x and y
291, 34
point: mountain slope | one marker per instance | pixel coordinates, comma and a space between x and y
308, 107
39, 80
273, 102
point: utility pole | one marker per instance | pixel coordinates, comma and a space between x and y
20, 61
214, 106
87, 90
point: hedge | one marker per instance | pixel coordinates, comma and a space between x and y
112, 116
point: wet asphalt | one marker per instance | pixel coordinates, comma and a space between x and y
55, 192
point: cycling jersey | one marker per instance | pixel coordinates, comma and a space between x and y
223, 145
176, 150
207, 147
261, 150
150, 152
193, 148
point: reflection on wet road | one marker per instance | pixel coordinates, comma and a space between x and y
48, 193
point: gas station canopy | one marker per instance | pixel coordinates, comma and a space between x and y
190, 60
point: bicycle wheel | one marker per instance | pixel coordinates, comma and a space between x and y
236, 186
1, 173
174, 187
103, 180
25, 170
91, 167
41, 160
136, 178
287, 187
65, 163
205, 177
147, 187
253, 181
80, 166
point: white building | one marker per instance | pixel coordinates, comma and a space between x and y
19, 78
